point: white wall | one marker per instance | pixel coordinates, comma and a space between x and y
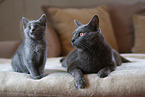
11, 12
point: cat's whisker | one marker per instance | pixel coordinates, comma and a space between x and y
87, 47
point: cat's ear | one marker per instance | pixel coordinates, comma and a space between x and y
94, 23
77, 23
42, 19
25, 21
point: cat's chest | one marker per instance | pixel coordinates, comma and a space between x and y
89, 60
35, 48
90, 63
38, 48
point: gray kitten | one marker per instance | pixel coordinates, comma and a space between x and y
92, 54
31, 56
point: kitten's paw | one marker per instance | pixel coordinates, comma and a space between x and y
36, 77
103, 73
43, 75
80, 84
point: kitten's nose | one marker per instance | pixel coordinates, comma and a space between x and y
72, 40
33, 29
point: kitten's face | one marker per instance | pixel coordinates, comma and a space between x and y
86, 35
35, 29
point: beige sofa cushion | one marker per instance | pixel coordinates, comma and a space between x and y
139, 25
53, 43
128, 80
63, 21
121, 16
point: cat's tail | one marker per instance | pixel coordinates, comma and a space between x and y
124, 60
61, 60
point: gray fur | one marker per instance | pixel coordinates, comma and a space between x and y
92, 54
31, 56
77, 23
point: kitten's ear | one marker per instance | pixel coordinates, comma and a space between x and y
94, 23
77, 23
25, 21
42, 19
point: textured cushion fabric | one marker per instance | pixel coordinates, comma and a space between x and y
139, 25
53, 43
63, 21
121, 16
8, 48
128, 80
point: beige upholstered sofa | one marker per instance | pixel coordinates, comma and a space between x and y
123, 25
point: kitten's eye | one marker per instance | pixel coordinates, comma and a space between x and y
36, 26
29, 27
81, 34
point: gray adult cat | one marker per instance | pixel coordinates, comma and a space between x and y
92, 54
31, 56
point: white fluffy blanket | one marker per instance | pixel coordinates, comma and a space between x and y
127, 80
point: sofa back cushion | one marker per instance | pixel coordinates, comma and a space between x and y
139, 25
121, 16
53, 43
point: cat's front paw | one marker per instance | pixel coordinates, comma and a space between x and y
42, 75
80, 83
36, 77
103, 73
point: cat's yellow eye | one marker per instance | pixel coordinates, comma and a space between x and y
81, 34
